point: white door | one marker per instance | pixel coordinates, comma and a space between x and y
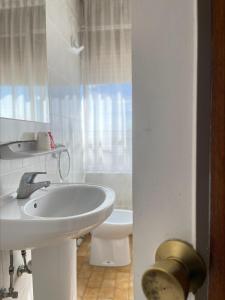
164, 127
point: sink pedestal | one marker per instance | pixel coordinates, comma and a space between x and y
54, 271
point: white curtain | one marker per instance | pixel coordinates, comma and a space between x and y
106, 75
23, 62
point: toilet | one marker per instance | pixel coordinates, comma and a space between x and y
110, 241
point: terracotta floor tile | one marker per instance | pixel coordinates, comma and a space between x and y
81, 286
86, 268
121, 294
84, 274
110, 274
102, 283
131, 294
98, 270
123, 281
95, 281
97, 274
122, 285
91, 293
123, 276
108, 283
106, 292
125, 269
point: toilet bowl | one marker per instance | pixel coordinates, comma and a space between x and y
110, 240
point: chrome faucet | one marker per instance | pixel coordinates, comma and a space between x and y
28, 186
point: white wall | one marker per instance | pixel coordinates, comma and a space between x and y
120, 183
64, 80
10, 174
164, 122
64, 69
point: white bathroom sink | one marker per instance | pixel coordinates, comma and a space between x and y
66, 201
53, 214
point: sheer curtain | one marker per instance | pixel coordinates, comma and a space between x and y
23, 62
106, 68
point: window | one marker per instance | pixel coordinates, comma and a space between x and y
107, 128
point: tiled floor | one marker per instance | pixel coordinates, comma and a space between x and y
102, 283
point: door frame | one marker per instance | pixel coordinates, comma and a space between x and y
210, 186
203, 135
217, 146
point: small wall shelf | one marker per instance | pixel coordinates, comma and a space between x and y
24, 149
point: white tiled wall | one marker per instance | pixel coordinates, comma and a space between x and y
64, 80
120, 183
11, 170
10, 174
64, 93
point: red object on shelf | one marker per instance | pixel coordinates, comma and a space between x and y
52, 143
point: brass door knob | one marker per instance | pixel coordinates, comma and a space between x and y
178, 270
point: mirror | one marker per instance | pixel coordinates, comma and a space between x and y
23, 61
